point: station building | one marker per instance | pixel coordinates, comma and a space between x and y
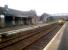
11, 17
44, 17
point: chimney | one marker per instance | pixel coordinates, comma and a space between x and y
6, 7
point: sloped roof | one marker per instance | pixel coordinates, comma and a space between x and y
17, 12
1, 10
44, 15
21, 13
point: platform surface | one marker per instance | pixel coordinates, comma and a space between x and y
60, 40
17, 29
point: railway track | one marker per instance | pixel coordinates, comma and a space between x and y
43, 41
24, 39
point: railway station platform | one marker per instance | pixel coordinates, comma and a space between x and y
23, 27
60, 40
14, 30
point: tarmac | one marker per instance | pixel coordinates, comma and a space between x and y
60, 40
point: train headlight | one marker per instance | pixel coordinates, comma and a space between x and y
60, 21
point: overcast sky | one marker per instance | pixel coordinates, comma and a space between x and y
41, 6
